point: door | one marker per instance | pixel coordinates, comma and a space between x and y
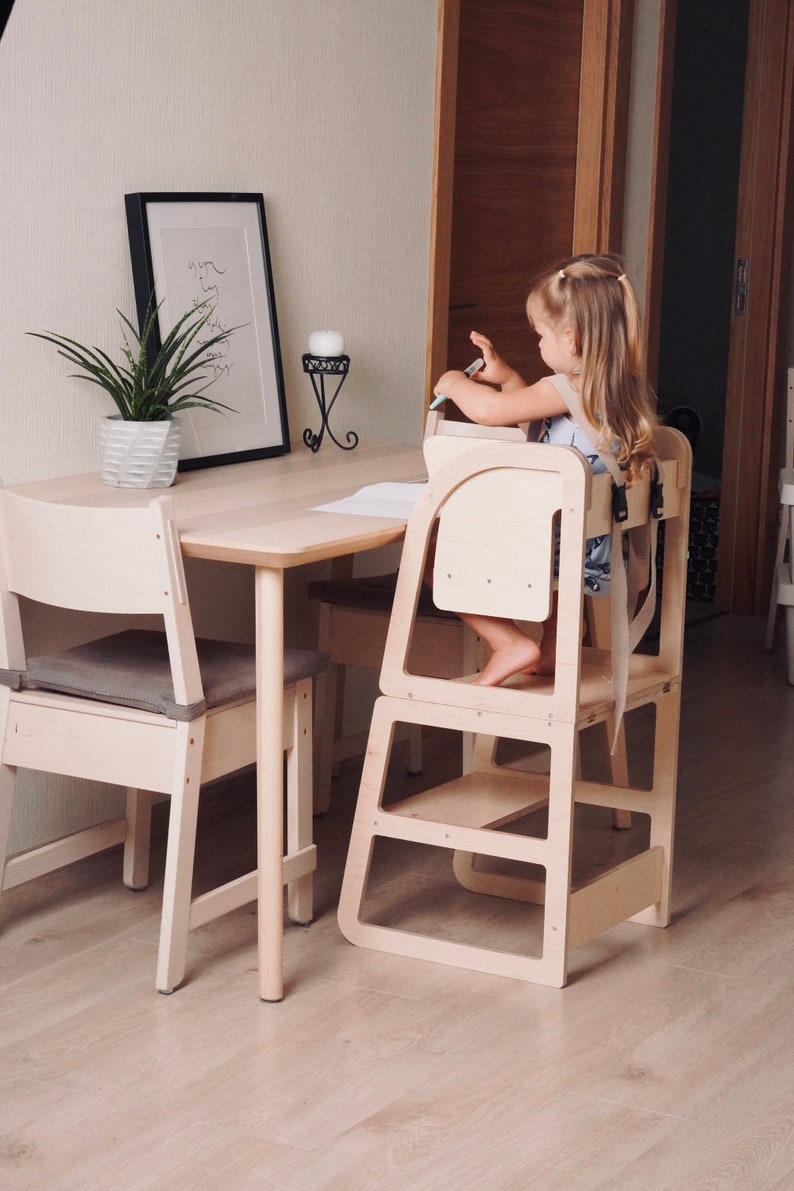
757, 353
530, 157
726, 266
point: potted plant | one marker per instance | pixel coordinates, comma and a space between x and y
139, 446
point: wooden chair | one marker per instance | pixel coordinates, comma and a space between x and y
782, 594
155, 712
484, 503
353, 622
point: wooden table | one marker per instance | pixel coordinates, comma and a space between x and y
261, 513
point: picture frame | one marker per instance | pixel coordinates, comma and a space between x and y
186, 248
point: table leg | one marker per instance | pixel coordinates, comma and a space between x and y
270, 779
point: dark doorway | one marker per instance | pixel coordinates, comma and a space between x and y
698, 293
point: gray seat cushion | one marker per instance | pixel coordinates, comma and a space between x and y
132, 669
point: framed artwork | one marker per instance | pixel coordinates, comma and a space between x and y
188, 249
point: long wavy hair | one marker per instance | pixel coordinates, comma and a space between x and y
592, 295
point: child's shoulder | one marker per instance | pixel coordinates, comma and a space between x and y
561, 382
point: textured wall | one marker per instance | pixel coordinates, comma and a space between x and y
323, 106
325, 110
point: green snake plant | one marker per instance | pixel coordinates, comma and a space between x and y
151, 385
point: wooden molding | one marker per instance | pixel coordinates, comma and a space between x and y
658, 190
443, 175
756, 364
603, 123
602, 68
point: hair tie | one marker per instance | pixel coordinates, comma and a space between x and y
562, 275
622, 277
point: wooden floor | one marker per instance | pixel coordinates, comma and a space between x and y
667, 1064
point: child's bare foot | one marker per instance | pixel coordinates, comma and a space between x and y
521, 655
548, 650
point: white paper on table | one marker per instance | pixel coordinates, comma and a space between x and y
378, 500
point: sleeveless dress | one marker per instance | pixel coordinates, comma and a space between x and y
561, 431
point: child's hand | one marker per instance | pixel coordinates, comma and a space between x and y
496, 371
444, 383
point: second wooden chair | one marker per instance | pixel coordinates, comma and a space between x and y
155, 712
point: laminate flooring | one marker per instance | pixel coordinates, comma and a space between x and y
666, 1064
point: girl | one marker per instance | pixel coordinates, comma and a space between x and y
586, 317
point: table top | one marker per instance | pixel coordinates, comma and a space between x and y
261, 512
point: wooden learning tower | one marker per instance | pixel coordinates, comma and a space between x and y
509, 522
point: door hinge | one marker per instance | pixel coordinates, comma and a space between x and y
742, 268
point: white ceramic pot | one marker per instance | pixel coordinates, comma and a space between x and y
138, 454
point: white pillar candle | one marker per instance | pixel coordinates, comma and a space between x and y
326, 343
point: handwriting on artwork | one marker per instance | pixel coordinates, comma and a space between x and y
208, 276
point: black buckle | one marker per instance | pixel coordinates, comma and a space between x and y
620, 506
656, 498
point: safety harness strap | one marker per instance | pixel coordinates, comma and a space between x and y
632, 572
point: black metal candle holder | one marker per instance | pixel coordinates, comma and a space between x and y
318, 368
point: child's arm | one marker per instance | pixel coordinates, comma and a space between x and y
489, 407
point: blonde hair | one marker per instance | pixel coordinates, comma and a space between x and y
592, 295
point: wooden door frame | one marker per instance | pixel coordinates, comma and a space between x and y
660, 161
441, 204
601, 151
756, 361
607, 27
756, 387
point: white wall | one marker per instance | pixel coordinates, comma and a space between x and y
323, 106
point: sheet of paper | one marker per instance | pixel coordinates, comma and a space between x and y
378, 500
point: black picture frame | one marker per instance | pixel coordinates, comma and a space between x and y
186, 248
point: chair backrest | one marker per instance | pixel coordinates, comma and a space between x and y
497, 508
512, 584
104, 560
493, 512
444, 439
477, 521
